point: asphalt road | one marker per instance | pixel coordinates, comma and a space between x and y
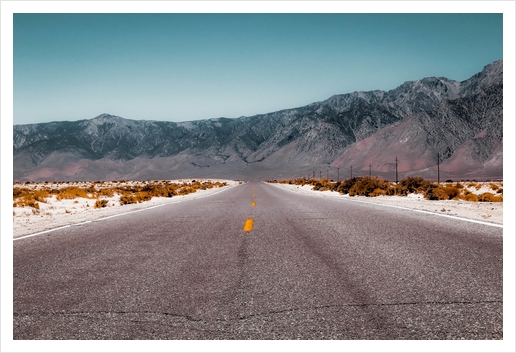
305, 268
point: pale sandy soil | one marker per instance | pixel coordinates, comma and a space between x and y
491, 212
53, 214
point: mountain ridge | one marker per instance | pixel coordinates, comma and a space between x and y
438, 115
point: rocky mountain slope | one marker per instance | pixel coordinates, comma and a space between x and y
462, 121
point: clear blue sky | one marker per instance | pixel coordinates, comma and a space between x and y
181, 67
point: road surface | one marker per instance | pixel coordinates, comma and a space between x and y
260, 262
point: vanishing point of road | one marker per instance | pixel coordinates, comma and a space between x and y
256, 261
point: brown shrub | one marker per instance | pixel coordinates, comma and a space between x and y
101, 203
17, 192
322, 184
127, 198
24, 197
366, 186
470, 197
378, 192
91, 189
437, 193
415, 184
488, 197
142, 196
71, 192
493, 186
453, 191
344, 186
106, 192
26, 202
41, 195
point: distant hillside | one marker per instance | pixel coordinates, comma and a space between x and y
462, 121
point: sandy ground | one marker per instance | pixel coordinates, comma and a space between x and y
491, 212
54, 214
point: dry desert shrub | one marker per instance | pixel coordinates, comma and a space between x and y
415, 184
26, 202
494, 187
106, 192
436, 193
136, 197
378, 192
488, 197
321, 185
25, 197
367, 186
101, 203
474, 185
447, 192
453, 191
469, 197
91, 189
41, 195
343, 187
130, 193
71, 192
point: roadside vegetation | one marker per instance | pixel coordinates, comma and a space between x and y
373, 186
31, 194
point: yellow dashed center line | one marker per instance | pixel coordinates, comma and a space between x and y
248, 226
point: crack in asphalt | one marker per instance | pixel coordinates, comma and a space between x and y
370, 304
271, 312
78, 313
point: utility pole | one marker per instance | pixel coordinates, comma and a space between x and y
338, 174
396, 169
438, 176
320, 175
369, 170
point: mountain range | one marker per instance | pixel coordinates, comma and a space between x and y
348, 134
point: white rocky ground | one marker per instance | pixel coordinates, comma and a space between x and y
54, 214
483, 211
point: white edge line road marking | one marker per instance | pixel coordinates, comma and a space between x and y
122, 214
116, 215
433, 213
406, 208
43, 232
